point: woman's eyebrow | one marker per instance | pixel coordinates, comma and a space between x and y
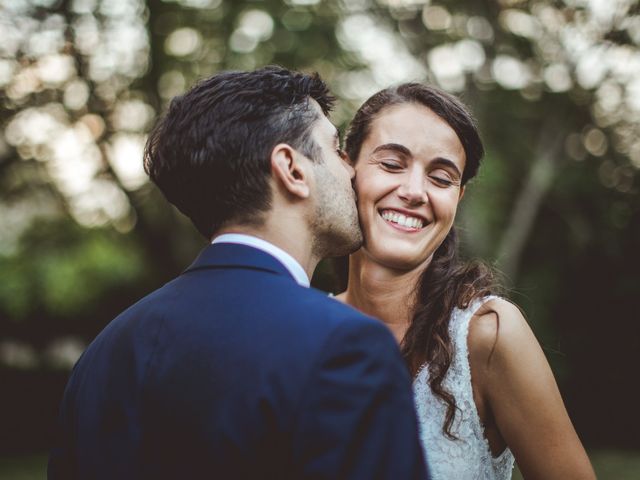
445, 162
393, 146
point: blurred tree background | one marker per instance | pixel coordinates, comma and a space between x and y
555, 85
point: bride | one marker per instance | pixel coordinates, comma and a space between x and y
484, 391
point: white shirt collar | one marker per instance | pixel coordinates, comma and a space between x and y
287, 260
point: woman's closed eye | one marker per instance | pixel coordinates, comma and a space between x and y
391, 164
442, 179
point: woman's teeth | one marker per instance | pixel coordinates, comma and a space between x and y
402, 220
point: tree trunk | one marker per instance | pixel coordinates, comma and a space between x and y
525, 210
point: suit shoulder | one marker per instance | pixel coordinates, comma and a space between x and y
319, 304
347, 325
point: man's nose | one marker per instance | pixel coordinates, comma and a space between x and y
347, 164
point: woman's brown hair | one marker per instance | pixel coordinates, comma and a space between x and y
448, 282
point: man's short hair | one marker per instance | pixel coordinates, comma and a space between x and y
210, 153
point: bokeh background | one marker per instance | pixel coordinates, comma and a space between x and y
555, 85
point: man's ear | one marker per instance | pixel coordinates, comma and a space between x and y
461, 194
288, 168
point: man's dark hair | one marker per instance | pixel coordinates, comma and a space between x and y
210, 153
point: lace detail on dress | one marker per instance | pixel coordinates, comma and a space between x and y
469, 457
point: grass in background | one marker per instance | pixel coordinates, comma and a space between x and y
33, 467
608, 464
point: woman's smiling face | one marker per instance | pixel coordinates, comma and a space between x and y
408, 181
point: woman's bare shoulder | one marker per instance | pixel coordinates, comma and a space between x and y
499, 329
514, 381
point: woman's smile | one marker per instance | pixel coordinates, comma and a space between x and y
403, 221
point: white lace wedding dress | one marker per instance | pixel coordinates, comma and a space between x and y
468, 458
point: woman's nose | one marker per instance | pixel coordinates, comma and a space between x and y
413, 189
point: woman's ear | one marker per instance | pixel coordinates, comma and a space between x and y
288, 168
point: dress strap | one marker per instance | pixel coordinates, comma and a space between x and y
459, 330
461, 320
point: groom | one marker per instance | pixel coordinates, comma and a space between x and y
237, 369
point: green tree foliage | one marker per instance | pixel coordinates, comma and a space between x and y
554, 85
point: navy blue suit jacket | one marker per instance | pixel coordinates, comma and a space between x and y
234, 371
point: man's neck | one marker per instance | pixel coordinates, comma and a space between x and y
296, 242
